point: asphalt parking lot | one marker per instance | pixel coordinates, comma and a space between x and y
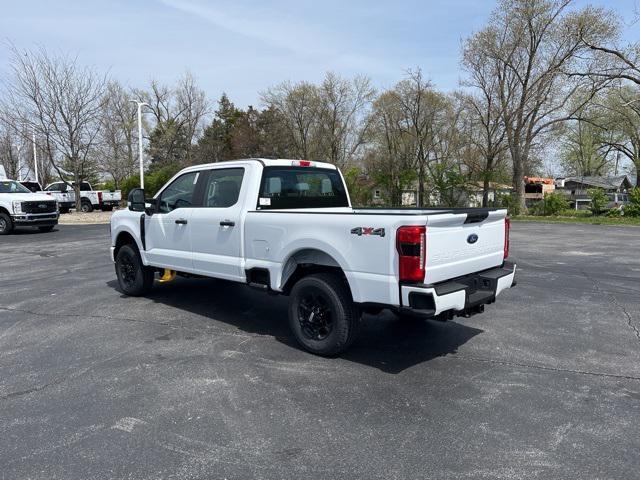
201, 379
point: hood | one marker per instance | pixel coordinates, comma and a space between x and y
27, 197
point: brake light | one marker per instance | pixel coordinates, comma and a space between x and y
507, 227
302, 163
412, 249
99, 197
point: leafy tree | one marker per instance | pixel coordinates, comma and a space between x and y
633, 208
599, 200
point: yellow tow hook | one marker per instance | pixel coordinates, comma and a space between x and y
167, 276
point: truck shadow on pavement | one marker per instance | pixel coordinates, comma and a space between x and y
384, 342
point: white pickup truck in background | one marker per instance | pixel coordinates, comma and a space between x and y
90, 199
287, 226
21, 208
66, 200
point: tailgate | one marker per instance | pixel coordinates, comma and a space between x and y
463, 243
111, 196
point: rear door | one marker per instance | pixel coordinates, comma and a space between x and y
216, 236
168, 231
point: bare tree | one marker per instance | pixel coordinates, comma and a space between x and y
531, 47
485, 114
116, 144
62, 102
298, 107
343, 117
178, 113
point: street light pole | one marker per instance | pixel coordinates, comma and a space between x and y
140, 153
18, 146
35, 156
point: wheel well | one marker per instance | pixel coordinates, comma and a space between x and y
306, 262
4, 210
124, 238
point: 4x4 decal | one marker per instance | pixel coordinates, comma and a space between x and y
368, 231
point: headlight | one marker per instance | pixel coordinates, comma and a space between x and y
17, 207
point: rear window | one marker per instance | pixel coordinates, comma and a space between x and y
301, 187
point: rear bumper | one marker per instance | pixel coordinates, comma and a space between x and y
461, 296
111, 203
35, 219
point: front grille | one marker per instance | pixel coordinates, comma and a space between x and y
39, 207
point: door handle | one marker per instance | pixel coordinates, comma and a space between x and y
227, 223
181, 221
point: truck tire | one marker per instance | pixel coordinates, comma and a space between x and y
64, 210
107, 208
48, 228
85, 206
322, 315
133, 277
6, 225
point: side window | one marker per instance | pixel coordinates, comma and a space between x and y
54, 187
222, 188
179, 194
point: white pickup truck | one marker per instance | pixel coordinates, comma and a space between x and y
287, 226
90, 199
19, 207
66, 199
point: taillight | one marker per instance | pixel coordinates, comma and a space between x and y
412, 249
507, 227
99, 197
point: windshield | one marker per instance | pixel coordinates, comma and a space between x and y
10, 186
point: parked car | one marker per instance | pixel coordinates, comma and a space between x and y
617, 200
288, 227
66, 199
21, 208
90, 199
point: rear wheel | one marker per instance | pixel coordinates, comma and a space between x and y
107, 208
48, 228
133, 277
64, 210
6, 225
86, 207
322, 314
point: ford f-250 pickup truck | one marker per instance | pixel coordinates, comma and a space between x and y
90, 199
21, 208
66, 199
287, 226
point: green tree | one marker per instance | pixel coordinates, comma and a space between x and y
599, 201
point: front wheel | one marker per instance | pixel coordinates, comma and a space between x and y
133, 277
48, 228
6, 225
322, 314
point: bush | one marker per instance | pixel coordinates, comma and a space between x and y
633, 208
153, 181
551, 204
599, 201
509, 202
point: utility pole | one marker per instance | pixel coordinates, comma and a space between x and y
140, 152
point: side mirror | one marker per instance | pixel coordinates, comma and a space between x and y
135, 201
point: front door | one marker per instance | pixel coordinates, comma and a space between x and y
216, 236
168, 231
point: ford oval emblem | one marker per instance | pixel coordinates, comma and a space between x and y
473, 238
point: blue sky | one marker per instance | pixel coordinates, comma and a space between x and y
242, 47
